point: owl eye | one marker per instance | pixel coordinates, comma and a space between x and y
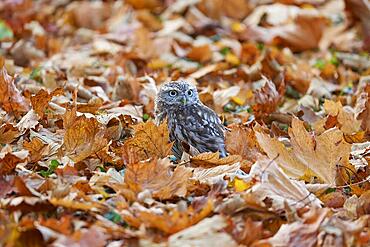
172, 93
190, 92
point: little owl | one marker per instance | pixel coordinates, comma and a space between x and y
191, 124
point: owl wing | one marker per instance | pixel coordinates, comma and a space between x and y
201, 128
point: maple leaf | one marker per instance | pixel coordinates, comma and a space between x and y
84, 137
150, 140
304, 231
317, 155
346, 119
175, 220
8, 133
9, 160
267, 98
215, 174
158, 178
210, 159
200, 53
242, 141
362, 108
11, 100
209, 230
40, 102
36, 148
274, 184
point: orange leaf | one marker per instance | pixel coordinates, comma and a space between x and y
8, 133
150, 140
9, 161
200, 53
40, 102
213, 159
242, 141
174, 221
11, 100
157, 177
84, 137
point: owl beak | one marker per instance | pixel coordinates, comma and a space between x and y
183, 100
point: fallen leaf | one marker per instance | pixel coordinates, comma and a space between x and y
9, 160
300, 232
84, 137
200, 53
11, 100
319, 155
242, 141
346, 119
150, 140
174, 220
8, 133
362, 107
213, 159
274, 184
40, 102
157, 177
267, 98
209, 230
215, 174
36, 148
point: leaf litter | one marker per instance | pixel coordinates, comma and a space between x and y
82, 162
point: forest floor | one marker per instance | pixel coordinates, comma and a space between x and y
82, 162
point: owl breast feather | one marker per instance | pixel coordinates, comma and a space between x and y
197, 126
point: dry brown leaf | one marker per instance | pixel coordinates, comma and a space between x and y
201, 53
40, 102
346, 119
37, 149
209, 230
319, 155
299, 29
11, 100
275, 185
9, 160
175, 220
8, 133
236, 9
242, 141
157, 177
84, 137
361, 10
304, 231
215, 174
362, 108
150, 140
267, 98
213, 159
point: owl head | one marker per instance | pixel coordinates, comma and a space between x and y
177, 94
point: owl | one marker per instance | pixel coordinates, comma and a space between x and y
191, 124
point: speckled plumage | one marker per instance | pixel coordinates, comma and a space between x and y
190, 122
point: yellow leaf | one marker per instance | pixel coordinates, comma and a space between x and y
237, 27
232, 59
157, 63
240, 185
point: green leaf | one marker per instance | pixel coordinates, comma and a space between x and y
146, 117
225, 50
53, 165
320, 64
5, 31
114, 217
